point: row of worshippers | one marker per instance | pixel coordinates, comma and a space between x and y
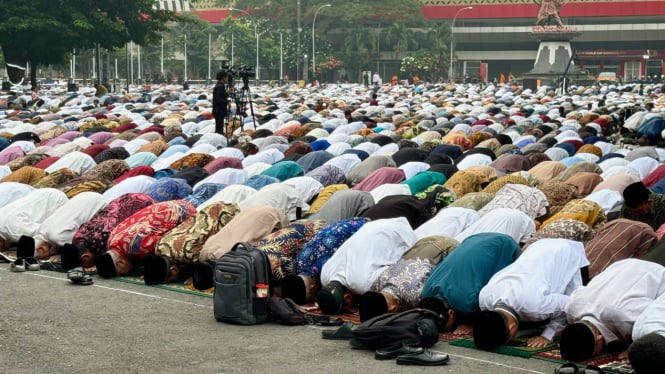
44, 211
138, 236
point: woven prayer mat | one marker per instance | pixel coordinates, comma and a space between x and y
516, 347
604, 358
180, 286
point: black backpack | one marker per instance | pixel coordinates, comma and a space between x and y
237, 274
414, 327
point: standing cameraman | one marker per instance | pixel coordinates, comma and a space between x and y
220, 100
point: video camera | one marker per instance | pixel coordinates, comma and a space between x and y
242, 72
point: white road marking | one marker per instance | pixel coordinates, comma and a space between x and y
123, 290
311, 326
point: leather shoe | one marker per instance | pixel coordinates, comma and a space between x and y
343, 333
424, 358
398, 350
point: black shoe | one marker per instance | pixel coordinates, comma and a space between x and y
342, 333
398, 350
424, 358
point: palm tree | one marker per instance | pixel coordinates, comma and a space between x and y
400, 37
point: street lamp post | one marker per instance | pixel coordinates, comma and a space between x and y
281, 59
256, 35
304, 72
313, 37
451, 75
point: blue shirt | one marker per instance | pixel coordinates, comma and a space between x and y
467, 269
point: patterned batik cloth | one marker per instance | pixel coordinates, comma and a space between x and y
464, 182
204, 192
94, 234
98, 185
317, 251
528, 200
136, 237
496, 185
558, 195
563, 229
283, 245
328, 175
184, 242
582, 210
192, 159
56, 178
404, 280
110, 169
166, 189
27, 160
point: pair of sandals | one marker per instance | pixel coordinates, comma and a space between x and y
21, 265
78, 276
570, 368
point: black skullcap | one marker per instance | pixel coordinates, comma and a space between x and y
70, 257
294, 288
647, 354
331, 298
489, 330
156, 270
202, 279
577, 342
635, 194
105, 266
438, 306
372, 304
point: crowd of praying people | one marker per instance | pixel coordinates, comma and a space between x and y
499, 208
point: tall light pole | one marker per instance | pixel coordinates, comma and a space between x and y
256, 35
281, 59
313, 37
452, 39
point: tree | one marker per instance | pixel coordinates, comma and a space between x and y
43, 32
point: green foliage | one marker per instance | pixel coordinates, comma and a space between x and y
46, 31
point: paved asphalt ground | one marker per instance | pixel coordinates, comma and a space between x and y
48, 325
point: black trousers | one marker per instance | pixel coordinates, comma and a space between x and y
219, 122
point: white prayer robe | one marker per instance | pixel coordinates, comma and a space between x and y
511, 222
277, 195
25, 215
228, 176
652, 319
137, 184
12, 191
230, 195
537, 285
59, 228
616, 297
449, 222
367, 253
76, 161
345, 162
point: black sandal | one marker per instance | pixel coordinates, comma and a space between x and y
567, 368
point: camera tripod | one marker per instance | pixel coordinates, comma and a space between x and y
243, 100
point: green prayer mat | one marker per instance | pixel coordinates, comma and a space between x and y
179, 286
516, 347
